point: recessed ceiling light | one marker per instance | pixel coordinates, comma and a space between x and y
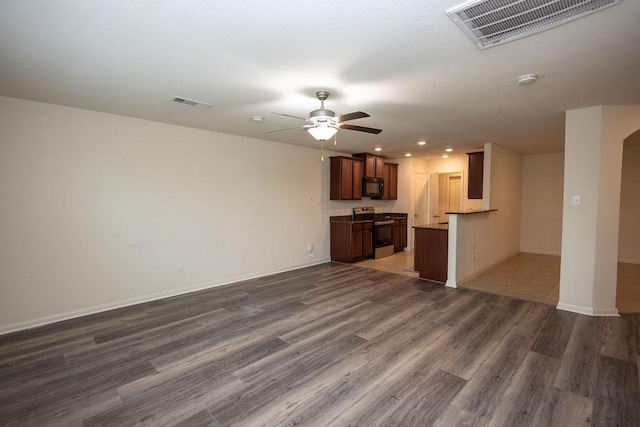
422, 142
378, 149
257, 119
408, 155
527, 79
445, 156
448, 150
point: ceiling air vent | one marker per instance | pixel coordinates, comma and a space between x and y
492, 22
190, 102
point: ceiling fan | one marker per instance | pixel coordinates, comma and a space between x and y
322, 124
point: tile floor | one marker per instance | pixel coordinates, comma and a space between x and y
527, 276
531, 277
400, 262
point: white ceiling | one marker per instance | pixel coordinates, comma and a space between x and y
403, 62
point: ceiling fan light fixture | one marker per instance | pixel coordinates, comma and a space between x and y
322, 132
322, 123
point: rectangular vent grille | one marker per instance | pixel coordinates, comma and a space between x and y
190, 102
492, 22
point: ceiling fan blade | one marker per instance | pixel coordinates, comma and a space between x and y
360, 128
280, 130
289, 115
351, 116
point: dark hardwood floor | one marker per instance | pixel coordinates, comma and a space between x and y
326, 345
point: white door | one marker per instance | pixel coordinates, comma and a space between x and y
434, 183
455, 193
419, 201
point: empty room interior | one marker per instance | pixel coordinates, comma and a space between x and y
404, 213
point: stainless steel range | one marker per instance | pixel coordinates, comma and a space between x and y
382, 231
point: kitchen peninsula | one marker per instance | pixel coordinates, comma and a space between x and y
431, 256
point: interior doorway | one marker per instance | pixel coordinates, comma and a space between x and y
445, 195
419, 202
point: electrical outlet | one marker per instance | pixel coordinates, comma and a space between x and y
180, 269
310, 248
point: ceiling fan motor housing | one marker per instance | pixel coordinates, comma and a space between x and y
321, 114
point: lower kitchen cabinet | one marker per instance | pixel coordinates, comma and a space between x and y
351, 242
399, 234
431, 253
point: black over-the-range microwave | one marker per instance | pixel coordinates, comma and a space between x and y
372, 187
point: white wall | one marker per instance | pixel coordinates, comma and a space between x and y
542, 190
629, 234
593, 163
98, 210
485, 239
542, 184
506, 196
404, 202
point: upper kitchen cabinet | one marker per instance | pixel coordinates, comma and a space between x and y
373, 165
476, 170
346, 178
390, 176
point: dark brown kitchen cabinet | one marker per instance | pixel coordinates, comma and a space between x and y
373, 165
379, 167
476, 170
403, 234
399, 234
346, 178
358, 167
390, 177
431, 253
351, 242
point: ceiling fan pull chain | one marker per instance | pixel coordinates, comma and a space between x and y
335, 140
322, 156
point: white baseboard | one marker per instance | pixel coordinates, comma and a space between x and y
589, 311
535, 251
46, 320
462, 280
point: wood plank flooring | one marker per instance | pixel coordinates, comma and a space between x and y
325, 345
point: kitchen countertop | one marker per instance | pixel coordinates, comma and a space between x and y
348, 219
391, 215
433, 226
471, 212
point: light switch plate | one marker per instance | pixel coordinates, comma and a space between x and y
576, 200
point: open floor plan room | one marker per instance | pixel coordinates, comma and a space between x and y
325, 345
